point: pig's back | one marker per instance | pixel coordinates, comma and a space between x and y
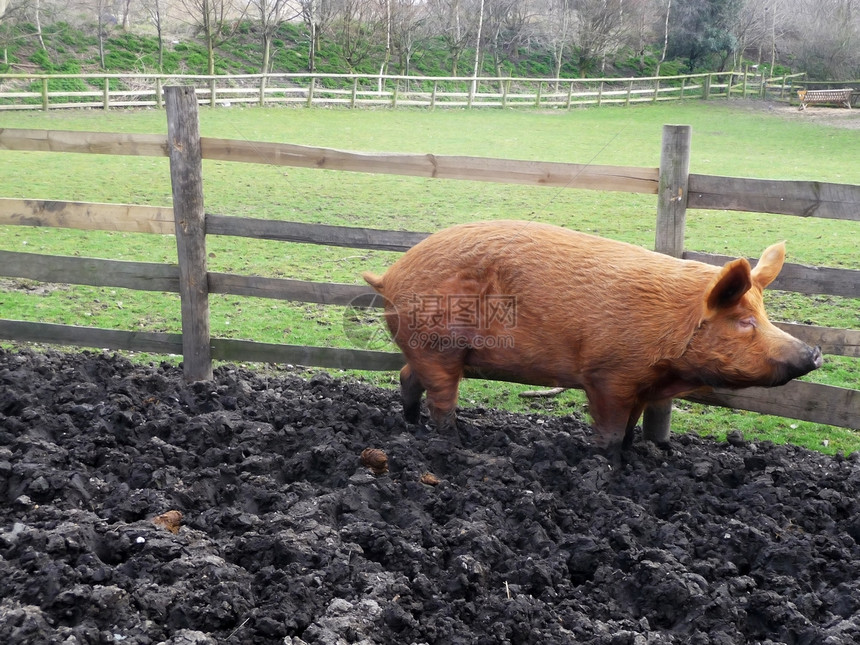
580, 299
516, 255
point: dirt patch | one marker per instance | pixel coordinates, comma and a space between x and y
525, 535
837, 117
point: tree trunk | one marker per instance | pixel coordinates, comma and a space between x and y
665, 38
267, 51
383, 68
101, 38
312, 46
39, 29
478, 49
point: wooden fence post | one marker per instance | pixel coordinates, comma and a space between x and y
186, 177
158, 93
671, 219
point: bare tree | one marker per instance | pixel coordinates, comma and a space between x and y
383, 67
478, 42
408, 24
356, 28
508, 27
556, 30
7, 11
156, 17
217, 21
599, 30
822, 37
456, 23
317, 15
103, 21
665, 37
124, 9
37, 10
273, 14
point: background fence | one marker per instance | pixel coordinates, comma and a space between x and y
675, 188
55, 91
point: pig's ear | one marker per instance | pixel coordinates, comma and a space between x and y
730, 285
769, 265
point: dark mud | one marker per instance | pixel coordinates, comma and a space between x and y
529, 536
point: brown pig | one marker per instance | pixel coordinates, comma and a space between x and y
540, 304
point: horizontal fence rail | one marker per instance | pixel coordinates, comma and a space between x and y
793, 277
106, 91
807, 401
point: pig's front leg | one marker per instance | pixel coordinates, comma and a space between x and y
613, 420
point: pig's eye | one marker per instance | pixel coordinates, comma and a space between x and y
747, 324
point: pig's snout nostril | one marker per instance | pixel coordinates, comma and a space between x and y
817, 358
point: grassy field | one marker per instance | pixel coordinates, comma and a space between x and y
737, 139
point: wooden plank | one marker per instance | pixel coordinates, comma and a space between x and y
133, 341
228, 349
286, 289
801, 198
842, 342
345, 236
539, 173
813, 402
127, 218
798, 277
186, 179
143, 276
103, 143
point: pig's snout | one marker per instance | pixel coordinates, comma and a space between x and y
817, 358
809, 359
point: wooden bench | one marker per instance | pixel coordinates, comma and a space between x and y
840, 97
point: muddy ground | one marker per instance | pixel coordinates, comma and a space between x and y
529, 535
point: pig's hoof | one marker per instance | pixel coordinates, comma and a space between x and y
614, 455
412, 413
451, 434
666, 447
468, 431
448, 430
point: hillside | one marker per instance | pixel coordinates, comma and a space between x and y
70, 50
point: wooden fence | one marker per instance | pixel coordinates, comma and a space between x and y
55, 91
675, 188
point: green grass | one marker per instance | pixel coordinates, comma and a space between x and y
727, 140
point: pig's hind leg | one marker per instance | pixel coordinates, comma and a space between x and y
440, 376
411, 391
441, 381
